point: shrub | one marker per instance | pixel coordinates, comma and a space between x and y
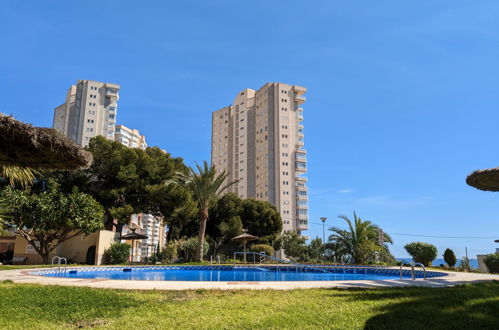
492, 262
188, 247
465, 264
422, 252
169, 253
263, 248
117, 253
450, 257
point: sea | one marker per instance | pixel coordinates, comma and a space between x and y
440, 261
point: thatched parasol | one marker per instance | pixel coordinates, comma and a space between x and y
133, 236
26, 146
487, 180
245, 238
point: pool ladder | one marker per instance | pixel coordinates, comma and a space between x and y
60, 261
413, 272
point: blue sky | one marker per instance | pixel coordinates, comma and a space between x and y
402, 99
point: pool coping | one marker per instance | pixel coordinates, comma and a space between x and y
452, 279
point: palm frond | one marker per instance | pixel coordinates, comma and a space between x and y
16, 175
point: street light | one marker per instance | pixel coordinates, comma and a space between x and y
323, 219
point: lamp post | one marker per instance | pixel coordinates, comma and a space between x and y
323, 219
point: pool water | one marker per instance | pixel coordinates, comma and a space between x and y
229, 274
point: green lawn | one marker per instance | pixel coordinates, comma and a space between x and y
48, 307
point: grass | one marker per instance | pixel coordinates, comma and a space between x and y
29, 306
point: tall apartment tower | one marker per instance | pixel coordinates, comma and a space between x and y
89, 110
258, 140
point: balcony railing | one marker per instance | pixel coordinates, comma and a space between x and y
301, 166
300, 99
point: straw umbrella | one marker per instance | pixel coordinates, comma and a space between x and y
133, 236
25, 146
487, 179
245, 238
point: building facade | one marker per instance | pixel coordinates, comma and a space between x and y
89, 110
258, 140
129, 137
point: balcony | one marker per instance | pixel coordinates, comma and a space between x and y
301, 179
302, 224
302, 216
301, 166
299, 89
301, 195
299, 116
301, 188
300, 99
302, 204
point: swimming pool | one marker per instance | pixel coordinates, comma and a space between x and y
262, 273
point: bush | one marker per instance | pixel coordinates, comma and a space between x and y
465, 265
188, 247
169, 253
450, 257
492, 262
263, 248
422, 252
117, 253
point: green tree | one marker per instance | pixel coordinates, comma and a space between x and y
295, 246
127, 181
421, 252
206, 186
492, 262
361, 241
315, 248
450, 257
263, 248
47, 219
227, 207
261, 219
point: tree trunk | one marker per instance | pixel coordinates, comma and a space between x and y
169, 234
203, 216
45, 258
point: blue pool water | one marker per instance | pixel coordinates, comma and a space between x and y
229, 274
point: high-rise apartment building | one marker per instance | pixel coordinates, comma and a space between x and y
129, 137
258, 140
153, 228
89, 110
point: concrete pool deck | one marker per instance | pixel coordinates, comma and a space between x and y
453, 278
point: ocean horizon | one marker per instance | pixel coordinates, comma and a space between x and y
440, 261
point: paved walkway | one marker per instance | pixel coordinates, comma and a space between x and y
454, 278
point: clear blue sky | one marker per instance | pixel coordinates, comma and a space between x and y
403, 96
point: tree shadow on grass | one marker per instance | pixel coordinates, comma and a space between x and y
70, 306
463, 307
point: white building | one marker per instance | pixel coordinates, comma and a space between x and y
129, 137
89, 110
258, 140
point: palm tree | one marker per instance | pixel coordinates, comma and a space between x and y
205, 185
360, 241
15, 175
23, 176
